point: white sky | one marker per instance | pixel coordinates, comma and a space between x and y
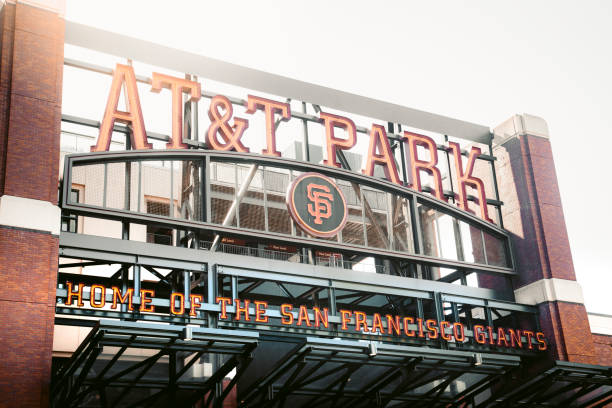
479, 61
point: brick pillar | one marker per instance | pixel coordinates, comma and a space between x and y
533, 213
32, 50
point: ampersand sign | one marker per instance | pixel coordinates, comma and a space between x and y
220, 126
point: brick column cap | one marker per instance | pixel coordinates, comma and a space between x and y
518, 125
54, 6
27, 213
550, 290
600, 323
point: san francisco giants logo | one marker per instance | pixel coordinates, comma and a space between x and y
317, 205
321, 202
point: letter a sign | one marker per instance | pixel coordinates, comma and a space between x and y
317, 205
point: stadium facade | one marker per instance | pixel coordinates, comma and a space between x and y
280, 244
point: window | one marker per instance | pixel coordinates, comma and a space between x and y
155, 234
70, 223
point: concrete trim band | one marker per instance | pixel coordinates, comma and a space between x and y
30, 214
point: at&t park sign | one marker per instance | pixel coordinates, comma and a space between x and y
225, 133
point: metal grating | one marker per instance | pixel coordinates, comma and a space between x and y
128, 364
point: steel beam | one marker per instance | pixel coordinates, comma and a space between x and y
183, 61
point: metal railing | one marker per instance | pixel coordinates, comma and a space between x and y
256, 252
297, 257
335, 262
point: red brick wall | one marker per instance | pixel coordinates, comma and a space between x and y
533, 214
603, 348
31, 50
31, 82
7, 19
532, 209
568, 331
27, 306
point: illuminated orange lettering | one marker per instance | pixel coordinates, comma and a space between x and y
241, 309
332, 142
219, 124
393, 325
345, 318
321, 202
515, 338
223, 301
413, 140
173, 297
490, 331
303, 316
260, 311
433, 330
443, 326
466, 178
321, 318
177, 87
127, 297
541, 340
286, 312
479, 335
360, 320
420, 326
409, 333
92, 296
193, 305
379, 153
78, 294
501, 337
269, 107
124, 74
377, 324
146, 296
458, 332
529, 335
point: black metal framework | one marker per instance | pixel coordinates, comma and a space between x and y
416, 202
192, 119
213, 274
70, 223
339, 373
152, 365
564, 384
125, 363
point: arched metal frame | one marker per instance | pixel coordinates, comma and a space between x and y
208, 156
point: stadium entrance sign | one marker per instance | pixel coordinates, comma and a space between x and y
225, 133
355, 321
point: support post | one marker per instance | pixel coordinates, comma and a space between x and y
534, 215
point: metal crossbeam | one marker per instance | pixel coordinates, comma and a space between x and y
165, 338
219, 375
388, 377
161, 277
145, 368
475, 389
108, 366
241, 369
350, 369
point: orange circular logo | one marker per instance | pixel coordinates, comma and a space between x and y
317, 205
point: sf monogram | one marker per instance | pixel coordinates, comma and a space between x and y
321, 202
317, 205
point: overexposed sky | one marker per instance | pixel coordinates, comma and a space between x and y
479, 61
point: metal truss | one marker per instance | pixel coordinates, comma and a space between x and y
339, 373
565, 384
176, 269
132, 351
205, 157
